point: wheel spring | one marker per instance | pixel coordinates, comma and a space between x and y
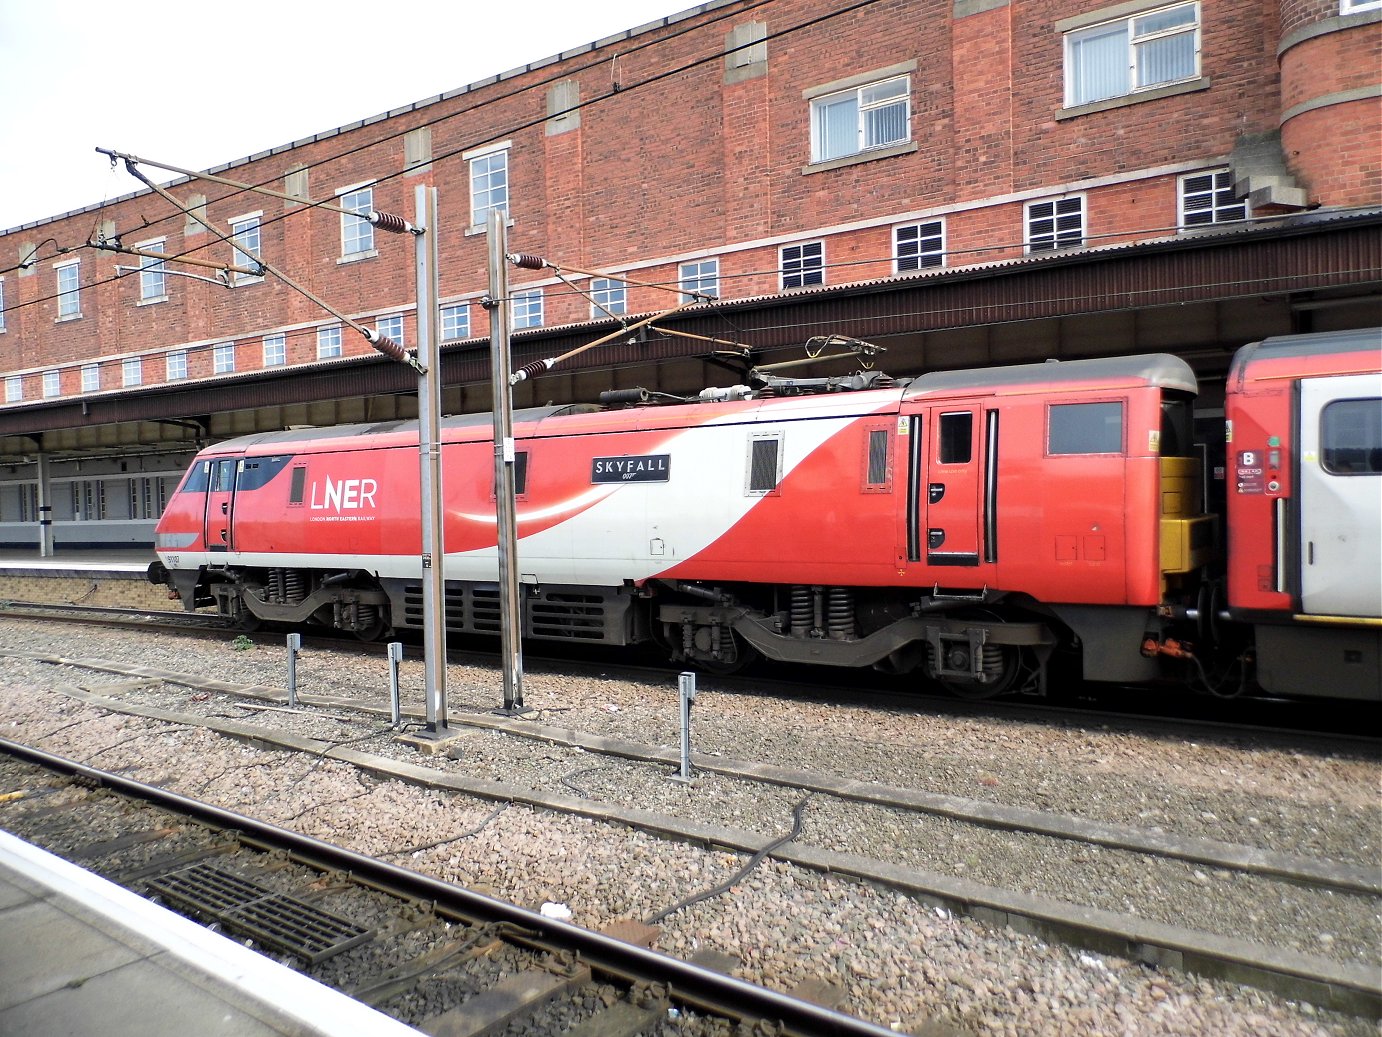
839, 613
294, 586
276, 585
801, 611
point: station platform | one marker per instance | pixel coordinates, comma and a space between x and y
114, 578
82, 957
16, 560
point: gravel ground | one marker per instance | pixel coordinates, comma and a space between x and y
899, 961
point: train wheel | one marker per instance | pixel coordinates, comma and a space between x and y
1001, 666
744, 654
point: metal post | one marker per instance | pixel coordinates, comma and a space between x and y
429, 449
294, 647
506, 523
45, 508
395, 703
687, 694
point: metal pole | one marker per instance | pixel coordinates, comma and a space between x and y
395, 703
429, 450
687, 695
294, 647
506, 523
45, 508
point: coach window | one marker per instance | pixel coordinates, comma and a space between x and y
1085, 428
1351, 437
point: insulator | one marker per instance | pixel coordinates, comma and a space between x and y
386, 345
839, 613
389, 222
615, 397
526, 262
528, 370
801, 611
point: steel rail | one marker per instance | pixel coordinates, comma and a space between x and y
688, 983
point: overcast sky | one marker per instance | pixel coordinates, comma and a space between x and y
197, 84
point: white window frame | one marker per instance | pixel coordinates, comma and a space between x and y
175, 365
485, 168
872, 105
699, 275
455, 322
357, 233
391, 327
14, 388
1057, 237
91, 377
525, 308
70, 297
329, 342
223, 358
802, 264
609, 297
245, 230
52, 384
1137, 37
275, 350
919, 246
2, 305
132, 371
1354, 6
153, 276
1209, 200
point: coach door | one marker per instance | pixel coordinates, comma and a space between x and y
1340, 487
953, 474
220, 503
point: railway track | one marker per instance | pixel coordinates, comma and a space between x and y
448, 960
835, 802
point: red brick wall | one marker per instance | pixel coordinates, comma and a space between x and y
695, 165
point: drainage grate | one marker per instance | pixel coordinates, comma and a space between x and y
274, 920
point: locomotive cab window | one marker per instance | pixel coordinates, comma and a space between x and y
198, 478
1351, 437
1084, 428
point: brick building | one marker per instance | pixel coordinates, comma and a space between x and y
960, 181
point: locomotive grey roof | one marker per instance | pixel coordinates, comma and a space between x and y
1352, 341
1160, 369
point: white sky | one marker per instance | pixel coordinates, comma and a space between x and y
197, 84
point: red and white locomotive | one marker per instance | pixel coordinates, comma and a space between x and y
972, 525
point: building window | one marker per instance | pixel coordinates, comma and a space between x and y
391, 327
1354, 6
1207, 198
177, 365
2, 304
852, 121
275, 350
1055, 224
52, 384
328, 342
1121, 57
702, 275
223, 358
153, 282
608, 297
803, 265
357, 233
527, 308
132, 371
88, 500
69, 295
489, 184
455, 322
918, 245
244, 232
14, 388
91, 377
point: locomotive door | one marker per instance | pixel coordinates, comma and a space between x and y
951, 493
220, 504
1340, 486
